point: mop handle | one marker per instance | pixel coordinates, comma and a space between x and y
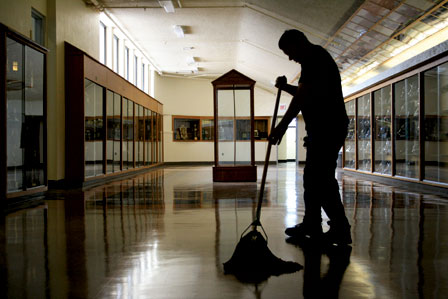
266, 161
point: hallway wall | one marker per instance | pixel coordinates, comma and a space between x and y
190, 97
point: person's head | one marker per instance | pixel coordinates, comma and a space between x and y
294, 44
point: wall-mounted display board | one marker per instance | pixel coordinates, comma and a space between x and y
112, 127
23, 118
201, 128
233, 95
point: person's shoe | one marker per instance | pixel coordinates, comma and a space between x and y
303, 230
338, 235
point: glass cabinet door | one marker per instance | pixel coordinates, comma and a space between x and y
14, 115
350, 146
25, 120
436, 124
382, 130
407, 126
94, 133
363, 130
234, 147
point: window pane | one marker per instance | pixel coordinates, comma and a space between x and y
128, 134
148, 137
102, 43
382, 130
115, 50
154, 137
208, 130
113, 133
363, 131
349, 147
234, 106
436, 124
37, 23
140, 138
117, 132
33, 126
93, 129
14, 115
126, 62
160, 139
407, 127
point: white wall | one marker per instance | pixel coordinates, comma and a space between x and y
194, 97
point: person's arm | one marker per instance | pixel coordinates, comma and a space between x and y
294, 108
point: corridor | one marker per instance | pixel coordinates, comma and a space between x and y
167, 232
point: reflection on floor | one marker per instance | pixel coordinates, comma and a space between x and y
166, 233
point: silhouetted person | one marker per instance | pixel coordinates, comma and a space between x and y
319, 97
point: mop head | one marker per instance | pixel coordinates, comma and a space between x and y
253, 262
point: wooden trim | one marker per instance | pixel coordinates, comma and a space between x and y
29, 191
74, 115
3, 116
106, 77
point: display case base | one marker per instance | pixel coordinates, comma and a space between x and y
235, 173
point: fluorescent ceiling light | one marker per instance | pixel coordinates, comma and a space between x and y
191, 60
167, 5
179, 31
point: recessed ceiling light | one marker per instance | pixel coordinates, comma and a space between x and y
191, 60
179, 31
167, 5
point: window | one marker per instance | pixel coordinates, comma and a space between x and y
38, 24
143, 77
135, 70
126, 62
102, 43
115, 50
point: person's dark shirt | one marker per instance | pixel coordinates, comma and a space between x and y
324, 109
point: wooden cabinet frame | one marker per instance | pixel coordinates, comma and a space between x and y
234, 80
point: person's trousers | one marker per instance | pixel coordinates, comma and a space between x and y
321, 189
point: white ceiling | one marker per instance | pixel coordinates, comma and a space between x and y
243, 35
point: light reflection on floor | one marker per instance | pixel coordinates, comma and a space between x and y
166, 233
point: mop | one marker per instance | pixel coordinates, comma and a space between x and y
252, 261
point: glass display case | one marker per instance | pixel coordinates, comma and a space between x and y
111, 127
436, 124
234, 128
23, 148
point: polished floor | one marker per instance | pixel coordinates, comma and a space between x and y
166, 234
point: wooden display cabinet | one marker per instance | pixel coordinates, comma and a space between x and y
23, 117
234, 146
